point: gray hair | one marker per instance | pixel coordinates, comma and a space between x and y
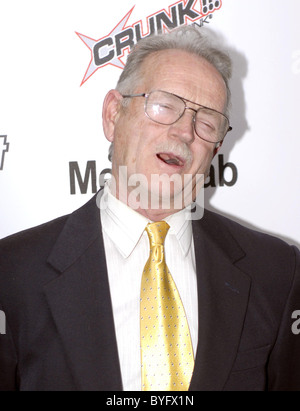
191, 39
188, 38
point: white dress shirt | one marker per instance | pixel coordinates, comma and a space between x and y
127, 250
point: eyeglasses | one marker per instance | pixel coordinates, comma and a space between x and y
166, 108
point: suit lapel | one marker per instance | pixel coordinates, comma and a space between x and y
80, 303
223, 291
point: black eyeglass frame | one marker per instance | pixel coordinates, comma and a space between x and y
184, 100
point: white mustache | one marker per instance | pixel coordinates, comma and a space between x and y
180, 150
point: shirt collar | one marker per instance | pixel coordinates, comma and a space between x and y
121, 223
181, 226
125, 226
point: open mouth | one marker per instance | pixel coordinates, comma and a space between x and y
171, 159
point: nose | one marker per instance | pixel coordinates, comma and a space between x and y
183, 129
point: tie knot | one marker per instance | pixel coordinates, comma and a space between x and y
157, 232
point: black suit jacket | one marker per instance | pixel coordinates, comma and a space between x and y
60, 335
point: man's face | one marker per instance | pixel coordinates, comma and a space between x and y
147, 148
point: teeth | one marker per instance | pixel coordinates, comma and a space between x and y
169, 160
172, 161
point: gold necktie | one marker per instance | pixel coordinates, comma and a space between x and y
166, 348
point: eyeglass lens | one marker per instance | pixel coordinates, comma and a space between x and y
166, 108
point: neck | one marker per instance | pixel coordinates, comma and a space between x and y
142, 201
155, 215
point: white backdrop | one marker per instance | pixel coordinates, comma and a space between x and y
50, 119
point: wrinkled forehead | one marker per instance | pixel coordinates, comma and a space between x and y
184, 74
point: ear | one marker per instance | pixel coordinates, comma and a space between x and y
110, 111
217, 148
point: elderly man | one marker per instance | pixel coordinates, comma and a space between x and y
137, 293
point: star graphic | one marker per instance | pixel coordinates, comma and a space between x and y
90, 43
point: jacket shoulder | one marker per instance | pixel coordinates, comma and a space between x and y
242, 233
261, 250
45, 235
33, 238
27, 253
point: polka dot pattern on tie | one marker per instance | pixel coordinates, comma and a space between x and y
166, 348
